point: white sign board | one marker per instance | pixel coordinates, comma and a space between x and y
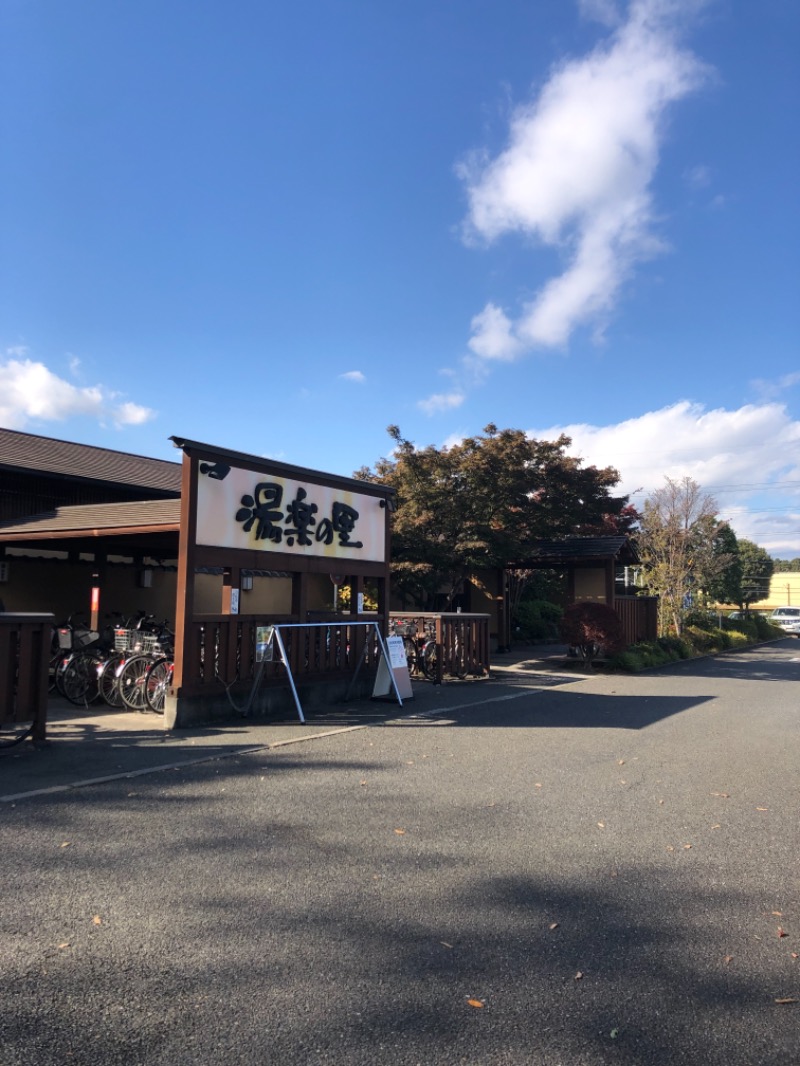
398, 664
252, 510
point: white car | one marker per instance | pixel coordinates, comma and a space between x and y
788, 618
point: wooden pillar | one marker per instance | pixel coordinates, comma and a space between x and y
184, 603
610, 583
300, 596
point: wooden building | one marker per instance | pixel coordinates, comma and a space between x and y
218, 544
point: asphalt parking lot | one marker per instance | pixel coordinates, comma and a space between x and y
548, 868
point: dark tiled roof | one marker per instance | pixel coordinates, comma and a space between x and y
27, 452
101, 516
579, 550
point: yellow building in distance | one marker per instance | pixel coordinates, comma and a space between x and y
784, 591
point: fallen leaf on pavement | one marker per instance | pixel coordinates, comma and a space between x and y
728, 959
64, 945
66, 844
788, 999
601, 825
781, 932
762, 808
474, 1003
686, 847
97, 920
553, 925
400, 832
445, 944
579, 976
723, 795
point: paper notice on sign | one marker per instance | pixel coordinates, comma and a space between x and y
397, 653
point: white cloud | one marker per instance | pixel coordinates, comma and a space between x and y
491, 335
576, 175
29, 391
354, 375
748, 459
443, 401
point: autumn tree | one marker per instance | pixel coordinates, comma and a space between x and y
677, 545
475, 505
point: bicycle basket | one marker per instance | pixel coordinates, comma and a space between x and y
122, 639
148, 643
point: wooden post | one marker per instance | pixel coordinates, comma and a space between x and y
185, 652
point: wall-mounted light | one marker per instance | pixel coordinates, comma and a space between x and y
145, 579
390, 503
246, 582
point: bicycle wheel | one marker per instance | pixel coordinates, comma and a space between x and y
52, 670
60, 669
131, 682
156, 685
410, 648
460, 660
79, 680
108, 682
430, 660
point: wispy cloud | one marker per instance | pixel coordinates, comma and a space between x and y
442, 401
30, 392
353, 375
769, 389
576, 174
748, 458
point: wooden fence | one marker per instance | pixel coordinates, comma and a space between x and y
639, 617
25, 643
222, 652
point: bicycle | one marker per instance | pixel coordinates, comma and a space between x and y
137, 689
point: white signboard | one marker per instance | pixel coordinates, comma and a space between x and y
398, 664
257, 511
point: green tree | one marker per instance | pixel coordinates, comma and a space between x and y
475, 505
676, 541
757, 570
786, 566
725, 586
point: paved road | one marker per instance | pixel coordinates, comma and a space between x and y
601, 871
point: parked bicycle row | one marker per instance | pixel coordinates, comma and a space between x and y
128, 664
422, 651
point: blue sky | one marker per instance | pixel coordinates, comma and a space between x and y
281, 227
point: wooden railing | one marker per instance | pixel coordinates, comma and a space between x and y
25, 641
222, 652
463, 638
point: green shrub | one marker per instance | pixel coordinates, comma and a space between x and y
702, 640
738, 639
537, 620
